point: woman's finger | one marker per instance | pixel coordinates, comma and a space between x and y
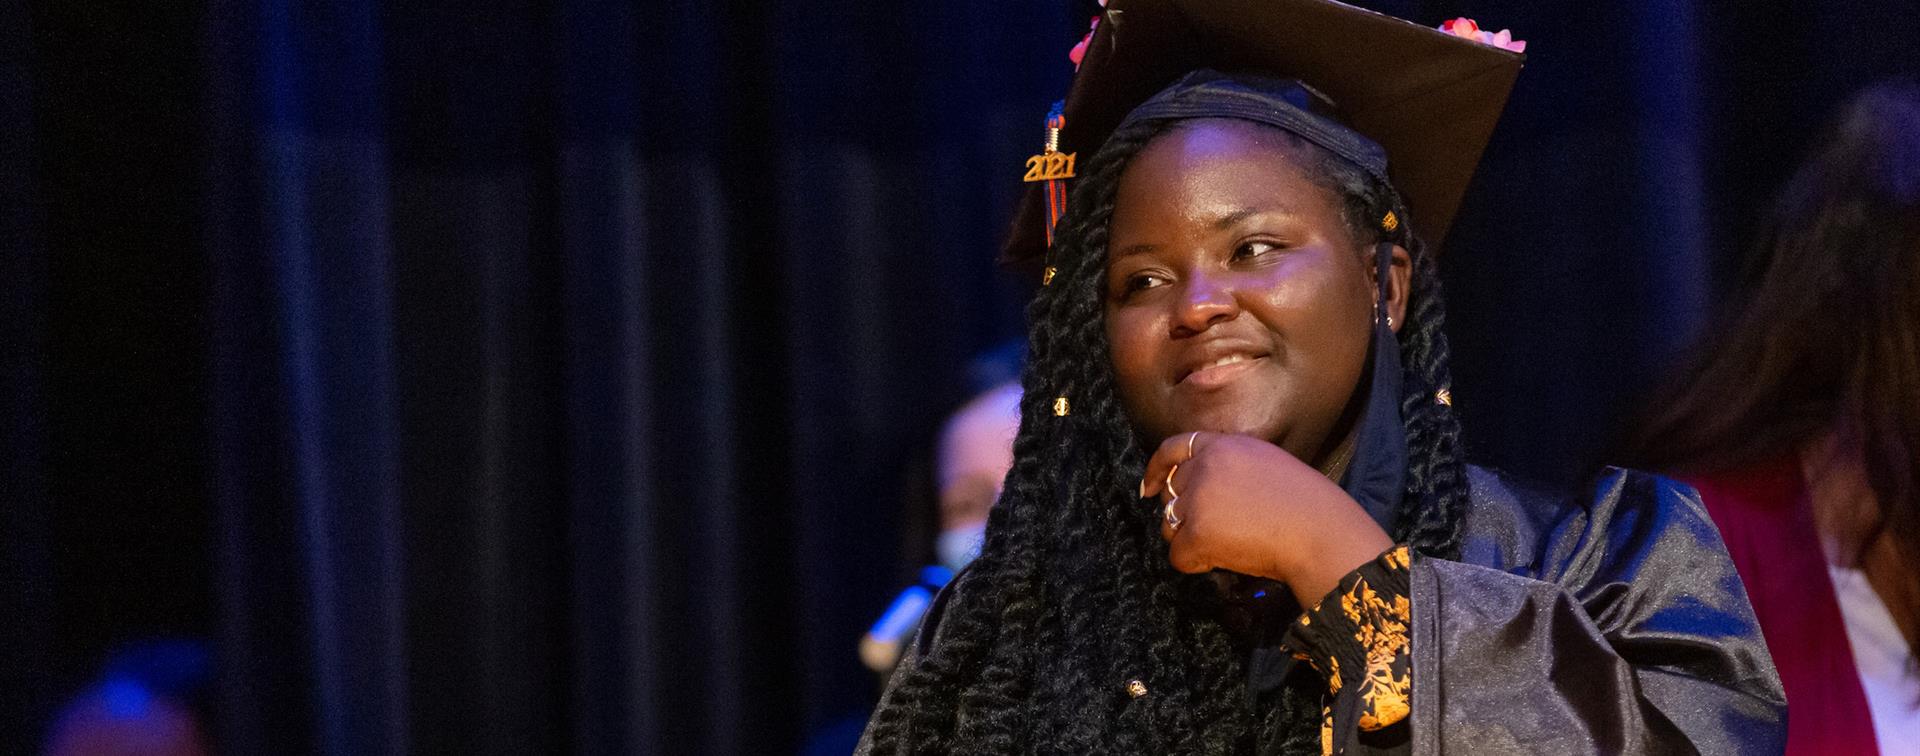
1173, 451
1183, 554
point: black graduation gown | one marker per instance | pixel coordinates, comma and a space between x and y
1607, 624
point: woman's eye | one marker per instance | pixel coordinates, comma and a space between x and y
1142, 282
1253, 249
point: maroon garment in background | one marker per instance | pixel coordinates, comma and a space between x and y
1764, 516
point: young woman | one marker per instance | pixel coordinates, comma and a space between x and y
1801, 427
1237, 406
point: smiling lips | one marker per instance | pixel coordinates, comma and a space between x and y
1219, 369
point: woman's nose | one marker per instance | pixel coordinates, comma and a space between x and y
1204, 301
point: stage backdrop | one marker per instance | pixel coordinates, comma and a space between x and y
539, 375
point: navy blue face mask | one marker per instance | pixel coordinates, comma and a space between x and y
1377, 472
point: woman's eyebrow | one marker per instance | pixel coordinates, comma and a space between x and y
1229, 219
1222, 222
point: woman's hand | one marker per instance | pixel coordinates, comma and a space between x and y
1248, 506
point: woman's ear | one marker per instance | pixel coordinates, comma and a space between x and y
1399, 283
1400, 287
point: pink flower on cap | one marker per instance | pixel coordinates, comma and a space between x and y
1465, 27
1079, 51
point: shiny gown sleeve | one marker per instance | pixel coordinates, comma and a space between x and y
1617, 626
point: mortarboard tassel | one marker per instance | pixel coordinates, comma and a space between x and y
1053, 168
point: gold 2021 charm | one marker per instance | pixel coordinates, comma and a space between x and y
1050, 166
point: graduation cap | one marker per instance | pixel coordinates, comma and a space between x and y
1430, 98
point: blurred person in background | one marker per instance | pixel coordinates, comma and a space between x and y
949, 490
975, 453
970, 459
1798, 419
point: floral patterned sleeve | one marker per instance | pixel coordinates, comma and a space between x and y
1356, 637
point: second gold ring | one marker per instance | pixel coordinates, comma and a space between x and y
1173, 497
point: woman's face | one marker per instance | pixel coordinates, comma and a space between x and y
1237, 300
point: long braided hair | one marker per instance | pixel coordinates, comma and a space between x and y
1072, 598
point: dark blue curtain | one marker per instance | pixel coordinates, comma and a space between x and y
25, 563
556, 362
565, 355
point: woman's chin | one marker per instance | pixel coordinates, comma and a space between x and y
1229, 418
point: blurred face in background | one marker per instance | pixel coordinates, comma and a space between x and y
975, 453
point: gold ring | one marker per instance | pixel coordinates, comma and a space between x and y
1190, 438
1173, 520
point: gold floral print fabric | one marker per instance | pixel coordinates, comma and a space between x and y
1356, 638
